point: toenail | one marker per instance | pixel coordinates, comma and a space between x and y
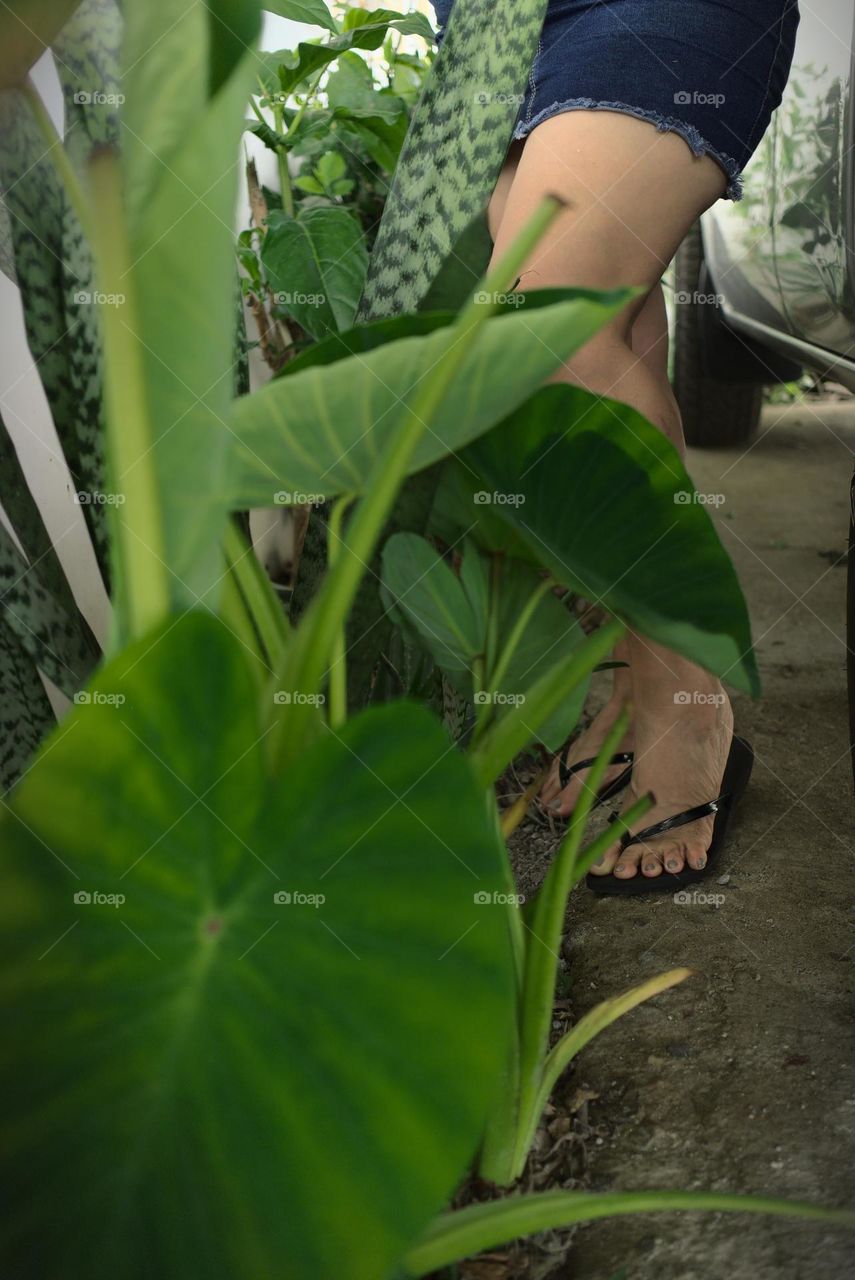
672, 864
650, 866
702, 862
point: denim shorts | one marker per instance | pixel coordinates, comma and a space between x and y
712, 71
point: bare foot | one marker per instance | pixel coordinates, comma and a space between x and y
681, 752
563, 802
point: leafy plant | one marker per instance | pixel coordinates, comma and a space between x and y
260, 1016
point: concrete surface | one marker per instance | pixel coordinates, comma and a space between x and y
744, 1078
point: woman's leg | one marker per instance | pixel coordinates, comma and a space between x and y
632, 193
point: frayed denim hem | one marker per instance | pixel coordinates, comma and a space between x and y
665, 124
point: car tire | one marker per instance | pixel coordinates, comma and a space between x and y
715, 413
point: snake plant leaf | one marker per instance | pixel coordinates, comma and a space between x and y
26, 717
604, 501
254, 1021
464, 266
48, 250
454, 150
315, 264
311, 12
52, 634
181, 176
320, 431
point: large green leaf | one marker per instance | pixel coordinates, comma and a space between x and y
320, 431
447, 172
207, 1081
425, 591
181, 173
315, 264
604, 501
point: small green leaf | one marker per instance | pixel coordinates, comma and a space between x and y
315, 264
313, 13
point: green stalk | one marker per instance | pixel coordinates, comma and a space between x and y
59, 159
139, 540
504, 739
517, 633
455, 1236
315, 641
285, 187
261, 601
338, 669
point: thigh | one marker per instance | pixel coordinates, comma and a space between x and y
631, 194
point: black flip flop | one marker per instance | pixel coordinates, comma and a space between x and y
736, 775
611, 789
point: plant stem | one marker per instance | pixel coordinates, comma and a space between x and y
59, 158
517, 633
260, 600
138, 526
455, 1236
338, 668
285, 187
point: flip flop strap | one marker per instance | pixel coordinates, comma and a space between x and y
668, 824
566, 771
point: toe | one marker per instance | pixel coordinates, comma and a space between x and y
697, 856
628, 863
673, 858
606, 863
651, 862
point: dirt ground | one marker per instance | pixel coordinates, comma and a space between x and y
743, 1079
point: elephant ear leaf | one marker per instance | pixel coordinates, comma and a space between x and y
446, 173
